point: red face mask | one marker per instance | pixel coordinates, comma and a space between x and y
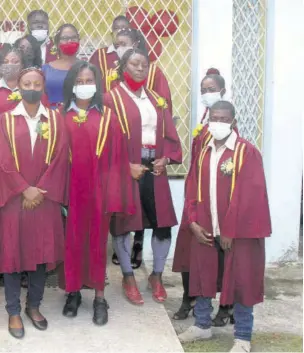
69, 48
133, 85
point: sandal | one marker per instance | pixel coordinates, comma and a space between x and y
184, 311
136, 263
224, 316
115, 260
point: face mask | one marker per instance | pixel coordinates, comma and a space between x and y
40, 34
208, 99
133, 85
31, 96
84, 91
10, 71
122, 50
70, 48
219, 130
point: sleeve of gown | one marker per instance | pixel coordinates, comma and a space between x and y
248, 215
11, 181
191, 192
95, 61
172, 145
161, 86
54, 180
119, 184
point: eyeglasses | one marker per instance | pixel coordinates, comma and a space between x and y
69, 39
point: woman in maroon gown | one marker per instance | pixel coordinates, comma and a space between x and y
33, 170
100, 185
153, 143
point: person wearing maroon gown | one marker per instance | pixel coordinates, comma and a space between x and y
106, 58
153, 143
227, 202
128, 39
100, 185
38, 25
212, 90
33, 173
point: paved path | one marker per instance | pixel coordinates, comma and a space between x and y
130, 328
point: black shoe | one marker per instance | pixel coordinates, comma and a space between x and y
16, 332
223, 316
72, 304
115, 260
100, 307
137, 249
41, 325
184, 311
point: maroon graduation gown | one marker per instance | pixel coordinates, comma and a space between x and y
31, 237
167, 145
100, 185
50, 54
244, 216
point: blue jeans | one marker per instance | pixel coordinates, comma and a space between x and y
243, 316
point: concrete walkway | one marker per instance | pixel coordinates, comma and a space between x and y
130, 328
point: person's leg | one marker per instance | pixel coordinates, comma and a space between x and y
188, 302
36, 284
122, 246
202, 327
136, 257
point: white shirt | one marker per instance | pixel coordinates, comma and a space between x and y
214, 160
148, 115
31, 122
43, 50
111, 49
3, 84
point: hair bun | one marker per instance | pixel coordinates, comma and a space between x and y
213, 71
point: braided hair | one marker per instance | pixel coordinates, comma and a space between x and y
136, 37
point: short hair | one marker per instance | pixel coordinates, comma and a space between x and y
6, 49
69, 82
121, 18
37, 61
124, 60
60, 29
224, 105
37, 12
135, 36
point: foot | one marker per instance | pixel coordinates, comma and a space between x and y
72, 304
15, 326
100, 307
184, 311
159, 293
223, 316
136, 257
24, 280
194, 333
241, 346
38, 320
131, 291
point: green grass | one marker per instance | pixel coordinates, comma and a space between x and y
261, 342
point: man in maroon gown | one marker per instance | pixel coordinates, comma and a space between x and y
227, 205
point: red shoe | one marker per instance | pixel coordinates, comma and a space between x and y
159, 293
132, 293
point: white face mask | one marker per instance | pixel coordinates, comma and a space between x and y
40, 34
209, 98
219, 130
122, 50
84, 91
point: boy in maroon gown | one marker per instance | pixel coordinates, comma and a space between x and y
100, 185
33, 170
227, 204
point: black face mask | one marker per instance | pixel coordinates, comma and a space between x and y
31, 96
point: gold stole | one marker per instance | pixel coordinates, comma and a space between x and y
102, 59
151, 77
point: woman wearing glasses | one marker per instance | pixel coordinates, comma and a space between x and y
67, 42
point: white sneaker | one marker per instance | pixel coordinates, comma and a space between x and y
241, 346
194, 333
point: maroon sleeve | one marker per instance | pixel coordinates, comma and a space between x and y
11, 181
172, 145
161, 86
54, 180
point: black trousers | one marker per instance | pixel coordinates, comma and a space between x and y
12, 286
147, 198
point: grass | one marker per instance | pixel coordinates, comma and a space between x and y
261, 342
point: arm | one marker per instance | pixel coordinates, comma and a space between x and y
161, 86
172, 146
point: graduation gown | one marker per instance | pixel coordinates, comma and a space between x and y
7, 104
243, 214
100, 185
167, 145
51, 55
31, 237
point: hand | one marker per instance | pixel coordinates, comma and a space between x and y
202, 236
159, 166
226, 243
32, 193
30, 205
137, 170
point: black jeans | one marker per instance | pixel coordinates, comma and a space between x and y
12, 286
